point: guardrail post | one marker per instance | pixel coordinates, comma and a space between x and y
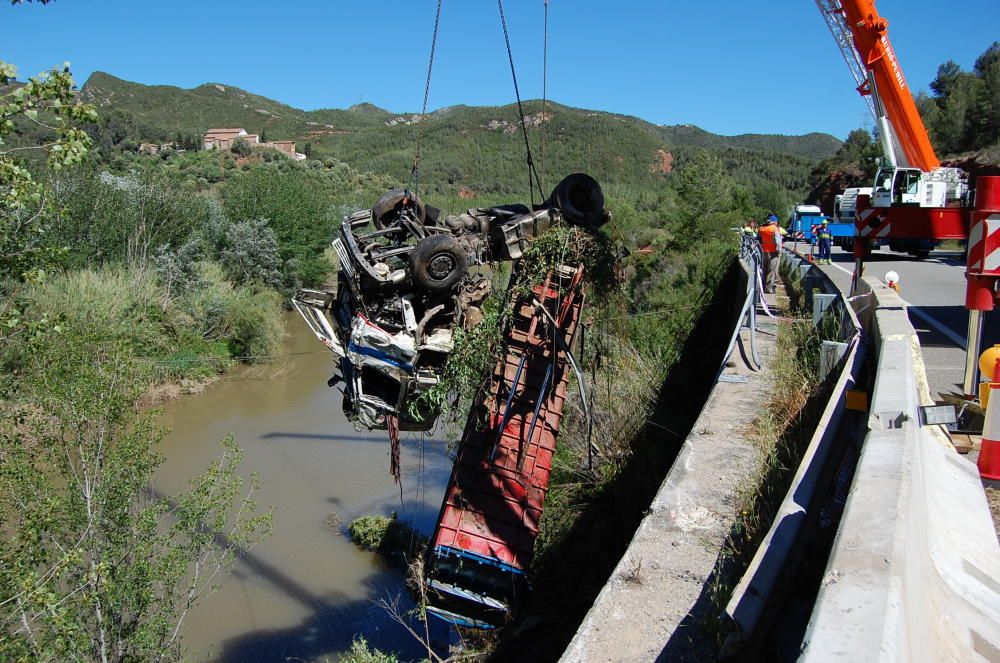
830, 354
820, 302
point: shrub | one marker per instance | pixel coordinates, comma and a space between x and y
385, 534
361, 653
95, 565
177, 270
250, 254
296, 207
108, 218
244, 318
184, 336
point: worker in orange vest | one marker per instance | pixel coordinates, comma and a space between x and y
770, 236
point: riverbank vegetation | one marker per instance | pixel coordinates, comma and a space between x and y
96, 564
387, 535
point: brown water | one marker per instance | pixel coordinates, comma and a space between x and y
306, 590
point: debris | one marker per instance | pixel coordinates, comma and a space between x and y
406, 284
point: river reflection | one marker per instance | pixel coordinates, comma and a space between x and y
306, 590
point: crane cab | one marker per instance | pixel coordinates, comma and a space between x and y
907, 186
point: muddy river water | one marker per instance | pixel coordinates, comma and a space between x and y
305, 591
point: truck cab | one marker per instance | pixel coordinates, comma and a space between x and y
846, 204
804, 217
907, 186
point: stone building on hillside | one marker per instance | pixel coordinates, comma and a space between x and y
154, 148
223, 139
286, 147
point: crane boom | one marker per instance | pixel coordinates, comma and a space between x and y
875, 53
834, 17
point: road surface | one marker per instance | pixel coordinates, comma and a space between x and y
934, 289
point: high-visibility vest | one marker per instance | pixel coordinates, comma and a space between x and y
823, 233
768, 238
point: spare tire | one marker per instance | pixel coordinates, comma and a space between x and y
580, 199
438, 262
391, 202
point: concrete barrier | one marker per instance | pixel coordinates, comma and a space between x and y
913, 574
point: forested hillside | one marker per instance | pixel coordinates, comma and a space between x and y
811, 146
473, 150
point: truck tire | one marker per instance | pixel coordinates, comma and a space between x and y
390, 203
920, 255
437, 263
580, 199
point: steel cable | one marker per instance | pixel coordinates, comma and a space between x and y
415, 170
532, 173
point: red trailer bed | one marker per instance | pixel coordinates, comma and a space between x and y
483, 541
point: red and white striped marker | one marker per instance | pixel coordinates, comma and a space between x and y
865, 230
984, 245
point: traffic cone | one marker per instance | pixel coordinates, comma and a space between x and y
989, 452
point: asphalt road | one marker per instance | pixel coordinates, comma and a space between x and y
934, 288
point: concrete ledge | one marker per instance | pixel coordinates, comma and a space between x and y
644, 612
913, 572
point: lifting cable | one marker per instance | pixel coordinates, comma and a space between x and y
532, 173
415, 170
545, 83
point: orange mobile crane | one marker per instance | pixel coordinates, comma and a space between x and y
914, 197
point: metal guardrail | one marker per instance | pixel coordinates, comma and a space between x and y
751, 259
757, 597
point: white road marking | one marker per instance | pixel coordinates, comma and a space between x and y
951, 336
846, 271
945, 331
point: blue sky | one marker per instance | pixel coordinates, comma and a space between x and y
727, 66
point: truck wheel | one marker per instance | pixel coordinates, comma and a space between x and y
920, 255
390, 203
580, 199
437, 263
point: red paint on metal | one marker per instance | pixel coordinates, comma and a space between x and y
910, 222
983, 263
490, 508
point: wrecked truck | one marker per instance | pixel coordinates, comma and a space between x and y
408, 279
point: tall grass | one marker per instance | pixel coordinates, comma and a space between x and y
631, 346
190, 336
780, 433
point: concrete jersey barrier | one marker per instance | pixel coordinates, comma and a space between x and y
913, 574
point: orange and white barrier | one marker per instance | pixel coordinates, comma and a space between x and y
989, 452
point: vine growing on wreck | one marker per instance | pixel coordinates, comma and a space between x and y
477, 350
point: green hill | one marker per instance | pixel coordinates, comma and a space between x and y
811, 146
469, 150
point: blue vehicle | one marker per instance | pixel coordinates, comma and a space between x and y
806, 217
